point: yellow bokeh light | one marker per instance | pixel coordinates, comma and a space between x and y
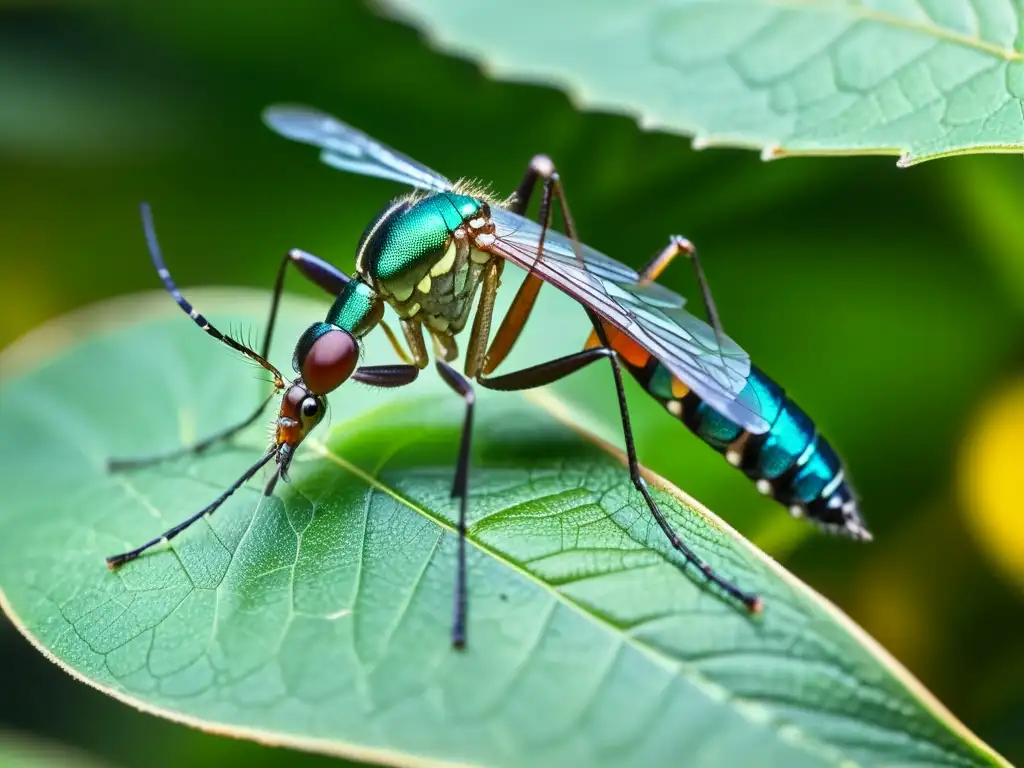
991, 474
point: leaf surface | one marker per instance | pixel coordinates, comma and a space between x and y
919, 79
319, 618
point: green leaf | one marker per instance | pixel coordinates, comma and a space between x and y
319, 618
918, 79
19, 750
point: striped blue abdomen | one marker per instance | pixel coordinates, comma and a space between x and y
792, 461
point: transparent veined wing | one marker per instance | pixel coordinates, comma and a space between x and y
711, 364
349, 149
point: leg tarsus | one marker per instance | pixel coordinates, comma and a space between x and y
460, 490
750, 601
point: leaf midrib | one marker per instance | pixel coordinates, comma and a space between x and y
341, 747
673, 666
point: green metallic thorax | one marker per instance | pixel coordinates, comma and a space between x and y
357, 309
417, 256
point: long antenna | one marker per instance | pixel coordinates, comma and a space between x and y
188, 309
116, 561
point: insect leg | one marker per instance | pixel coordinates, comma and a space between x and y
476, 350
395, 343
460, 488
541, 169
387, 376
413, 332
678, 245
314, 269
545, 373
376, 375
551, 371
115, 465
326, 276
513, 322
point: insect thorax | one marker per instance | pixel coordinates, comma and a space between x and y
425, 256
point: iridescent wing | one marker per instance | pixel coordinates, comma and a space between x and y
711, 364
348, 149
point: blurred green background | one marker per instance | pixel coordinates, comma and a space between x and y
888, 302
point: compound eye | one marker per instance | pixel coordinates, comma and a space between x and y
310, 407
331, 359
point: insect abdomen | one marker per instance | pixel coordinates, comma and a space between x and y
792, 461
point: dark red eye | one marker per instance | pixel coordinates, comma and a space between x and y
331, 359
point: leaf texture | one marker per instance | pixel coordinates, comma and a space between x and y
917, 78
319, 618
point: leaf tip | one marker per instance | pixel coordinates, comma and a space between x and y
905, 161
